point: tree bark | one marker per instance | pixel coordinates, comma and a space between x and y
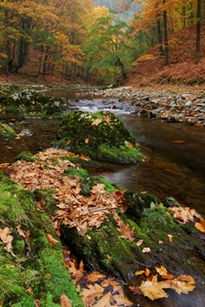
166, 44
198, 33
159, 34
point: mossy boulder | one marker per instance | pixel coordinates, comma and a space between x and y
32, 269
6, 131
106, 249
33, 103
101, 136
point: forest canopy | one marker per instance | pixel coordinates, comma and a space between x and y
76, 39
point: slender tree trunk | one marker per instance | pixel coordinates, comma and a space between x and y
166, 44
159, 35
198, 32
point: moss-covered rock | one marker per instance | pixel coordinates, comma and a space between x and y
107, 250
34, 268
101, 136
6, 131
33, 103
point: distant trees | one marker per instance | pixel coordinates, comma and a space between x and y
108, 50
47, 35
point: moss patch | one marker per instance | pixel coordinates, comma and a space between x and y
37, 270
101, 136
6, 131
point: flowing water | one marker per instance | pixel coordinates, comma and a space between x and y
174, 165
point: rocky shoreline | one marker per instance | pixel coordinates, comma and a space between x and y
167, 105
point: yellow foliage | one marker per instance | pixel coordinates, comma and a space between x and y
143, 58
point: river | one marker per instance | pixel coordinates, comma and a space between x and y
175, 156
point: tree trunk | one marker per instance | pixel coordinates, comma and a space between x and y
198, 32
166, 44
159, 34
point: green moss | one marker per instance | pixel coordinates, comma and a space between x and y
105, 248
37, 264
27, 156
6, 131
108, 140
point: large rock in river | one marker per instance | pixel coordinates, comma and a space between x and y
101, 136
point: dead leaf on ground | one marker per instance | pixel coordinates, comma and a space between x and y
87, 140
97, 122
146, 250
65, 301
107, 119
7, 238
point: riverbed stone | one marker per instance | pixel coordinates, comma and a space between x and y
101, 136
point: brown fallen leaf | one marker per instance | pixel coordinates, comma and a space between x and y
97, 122
139, 243
87, 140
184, 214
51, 239
6, 238
65, 301
104, 301
146, 250
107, 119
94, 276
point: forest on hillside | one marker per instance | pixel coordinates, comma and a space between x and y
81, 40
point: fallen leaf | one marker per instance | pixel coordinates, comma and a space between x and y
139, 243
170, 237
65, 301
87, 140
178, 142
135, 290
146, 250
6, 238
161, 270
107, 119
152, 289
137, 273
161, 242
68, 142
184, 214
51, 239
37, 303
94, 276
104, 301
96, 122
147, 272
200, 225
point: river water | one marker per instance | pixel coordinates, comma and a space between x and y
175, 153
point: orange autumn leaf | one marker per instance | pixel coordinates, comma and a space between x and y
51, 239
200, 225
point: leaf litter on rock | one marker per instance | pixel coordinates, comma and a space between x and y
96, 289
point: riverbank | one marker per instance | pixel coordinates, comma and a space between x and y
168, 105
